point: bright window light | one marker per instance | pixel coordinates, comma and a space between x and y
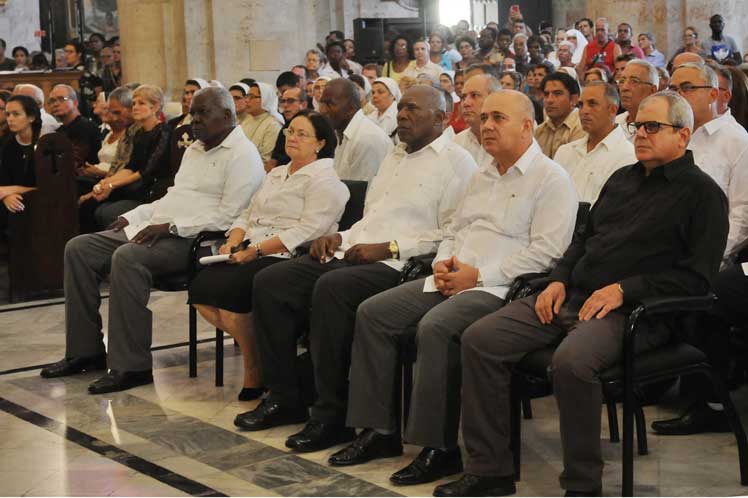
451, 11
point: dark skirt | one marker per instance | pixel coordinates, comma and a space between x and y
228, 286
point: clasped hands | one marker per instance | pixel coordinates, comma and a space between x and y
598, 305
324, 248
452, 276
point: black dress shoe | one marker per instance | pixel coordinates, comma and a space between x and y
119, 381
369, 445
317, 436
270, 414
594, 492
472, 485
251, 393
697, 419
72, 366
430, 465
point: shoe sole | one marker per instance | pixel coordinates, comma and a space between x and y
85, 370
359, 462
118, 389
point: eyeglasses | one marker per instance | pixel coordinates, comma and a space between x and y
651, 127
288, 101
290, 132
686, 87
634, 81
53, 100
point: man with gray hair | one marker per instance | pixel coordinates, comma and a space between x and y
592, 159
49, 123
720, 148
219, 174
473, 269
474, 92
647, 44
81, 131
621, 258
638, 80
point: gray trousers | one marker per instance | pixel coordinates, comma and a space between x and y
382, 322
88, 259
492, 344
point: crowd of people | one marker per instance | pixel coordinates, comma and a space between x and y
479, 149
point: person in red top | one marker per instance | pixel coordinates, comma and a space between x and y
624, 40
601, 50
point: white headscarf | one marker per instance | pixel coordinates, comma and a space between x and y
200, 82
243, 86
581, 43
391, 85
270, 100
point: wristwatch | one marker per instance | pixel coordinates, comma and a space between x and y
394, 249
258, 250
620, 289
173, 230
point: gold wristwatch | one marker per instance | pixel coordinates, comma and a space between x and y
394, 249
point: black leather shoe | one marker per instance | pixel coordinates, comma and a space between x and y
72, 366
251, 393
594, 492
697, 419
119, 381
430, 465
369, 445
317, 436
270, 414
472, 485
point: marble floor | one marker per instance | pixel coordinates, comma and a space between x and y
176, 437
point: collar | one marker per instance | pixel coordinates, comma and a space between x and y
232, 139
310, 169
437, 145
354, 124
610, 140
670, 170
568, 122
715, 124
471, 136
525, 161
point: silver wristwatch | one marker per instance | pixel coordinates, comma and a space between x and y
173, 230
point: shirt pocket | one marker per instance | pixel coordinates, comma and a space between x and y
517, 214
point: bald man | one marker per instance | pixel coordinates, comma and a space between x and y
409, 206
49, 123
621, 259
685, 57
483, 258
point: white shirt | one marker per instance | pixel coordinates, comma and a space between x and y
521, 222
468, 141
720, 148
108, 152
295, 208
590, 170
433, 71
621, 120
388, 120
412, 199
210, 189
49, 123
359, 154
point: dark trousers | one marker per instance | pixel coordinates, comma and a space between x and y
287, 298
492, 344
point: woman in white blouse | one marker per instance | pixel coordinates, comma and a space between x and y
298, 202
119, 118
263, 121
385, 94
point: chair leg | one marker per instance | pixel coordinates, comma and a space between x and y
641, 430
219, 357
515, 421
192, 341
735, 424
610, 404
527, 407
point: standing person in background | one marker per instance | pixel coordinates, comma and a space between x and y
401, 58
691, 44
602, 50
314, 61
719, 46
90, 84
625, 41
466, 47
5, 63
647, 44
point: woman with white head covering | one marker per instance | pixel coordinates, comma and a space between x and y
191, 86
263, 122
385, 94
580, 42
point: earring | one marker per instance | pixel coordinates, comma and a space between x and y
316, 151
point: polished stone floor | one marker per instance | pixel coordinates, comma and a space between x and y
176, 437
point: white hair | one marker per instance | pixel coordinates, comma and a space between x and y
603, 20
679, 110
38, 93
707, 73
654, 76
220, 98
567, 44
519, 35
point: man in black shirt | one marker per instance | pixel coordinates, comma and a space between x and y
90, 84
292, 101
658, 228
81, 131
